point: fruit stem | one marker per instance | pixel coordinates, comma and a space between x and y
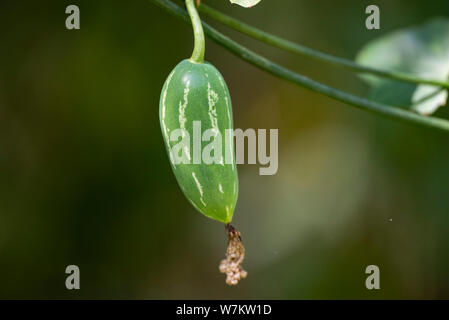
200, 44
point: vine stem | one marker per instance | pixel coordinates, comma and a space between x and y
295, 48
284, 73
200, 43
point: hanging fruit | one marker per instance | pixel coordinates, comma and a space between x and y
195, 98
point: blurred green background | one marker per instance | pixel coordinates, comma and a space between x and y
85, 179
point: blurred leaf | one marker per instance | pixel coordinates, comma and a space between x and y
246, 3
422, 51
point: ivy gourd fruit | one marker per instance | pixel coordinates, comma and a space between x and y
198, 92
195, 103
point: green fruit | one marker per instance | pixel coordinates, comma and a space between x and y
198, 92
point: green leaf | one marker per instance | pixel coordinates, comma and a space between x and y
246, 3
422, 51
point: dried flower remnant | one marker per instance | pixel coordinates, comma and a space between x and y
235, 253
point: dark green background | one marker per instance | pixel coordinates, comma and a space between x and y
85, 179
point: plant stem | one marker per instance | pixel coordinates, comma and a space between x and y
284, 73
295, 48
200, 44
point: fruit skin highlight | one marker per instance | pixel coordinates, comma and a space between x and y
197, 92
